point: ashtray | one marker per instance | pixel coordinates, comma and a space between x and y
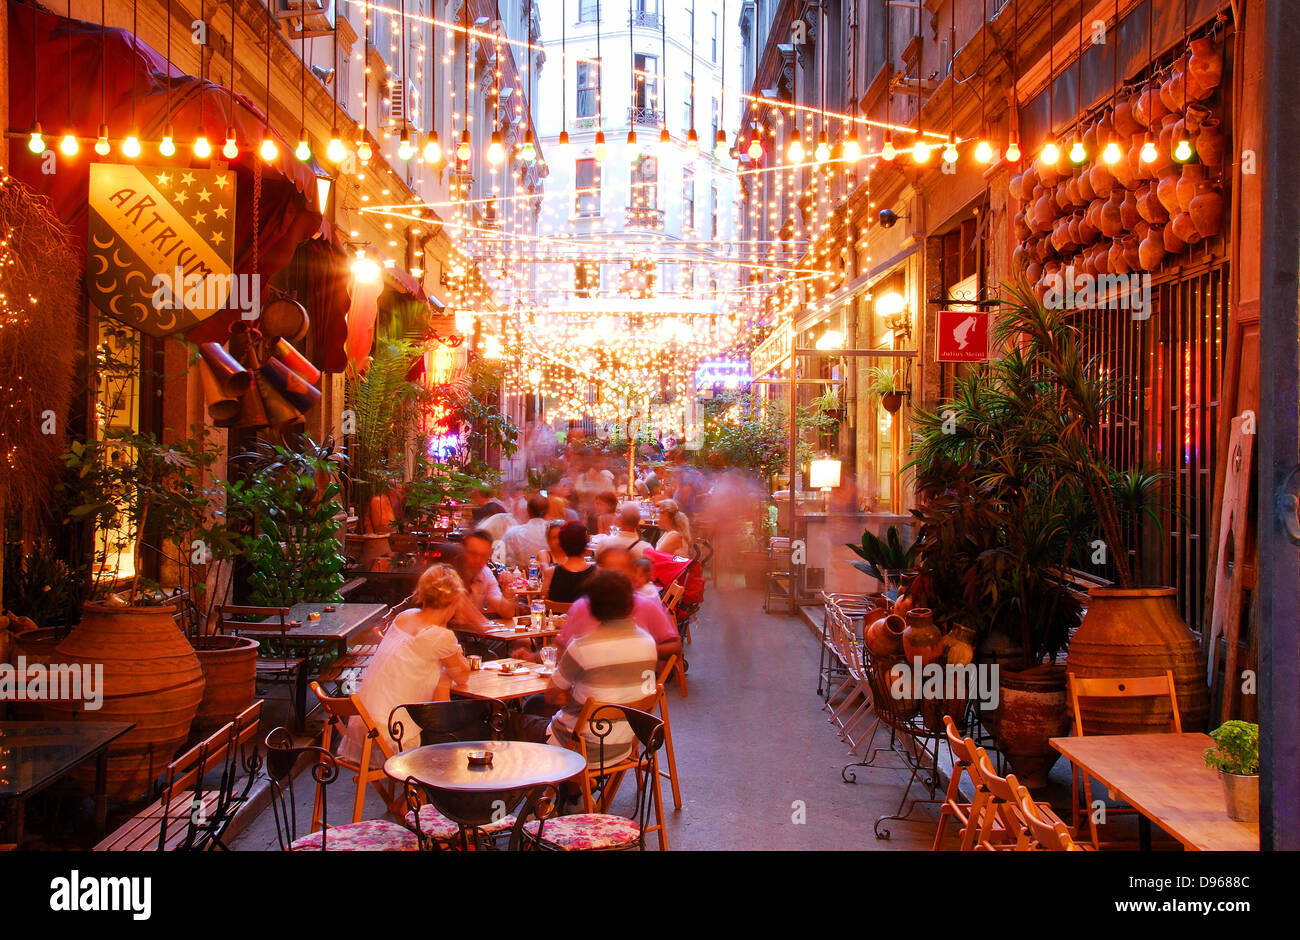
295, 623
479, 758
330, 608
313, 616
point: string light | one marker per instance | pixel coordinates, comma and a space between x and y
303, 150
950, 152
167, 146
101, 144
601, 152
795, 152
35, 140
268, 150
984, 151
921, 152
230, 149
131, 146
405, 149
433, 149
202, 148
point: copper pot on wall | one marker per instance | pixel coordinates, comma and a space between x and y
1204, 68
1211, 142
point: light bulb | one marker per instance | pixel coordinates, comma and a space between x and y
822, 152
1183, 150
1013, 151
528, 152
950, 152
1148, 152
303, 150
131, 146
692, 140
202, 149
463, 150
335, 150
69, 146
405, 149
664, 137
601, 151
983, 151
167, 146
920, 152
101, 145
720, 145
268, 149
1051, 153
364, 151
795, 151
230, 149
1077, 152
496, 153
755, 148
36, 142
433, 149
888, 153
852, 149
632, 143
1111, 153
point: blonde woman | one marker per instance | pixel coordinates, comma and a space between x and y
419, 659
676, 529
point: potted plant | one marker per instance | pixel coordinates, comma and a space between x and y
886, 384
884, 559
431, 492
1235, 756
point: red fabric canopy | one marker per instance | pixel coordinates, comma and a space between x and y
288, 213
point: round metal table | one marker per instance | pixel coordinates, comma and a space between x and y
516, 765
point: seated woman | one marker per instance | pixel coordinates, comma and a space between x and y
606, 511
676, 529
553, 554
417, 661
563, 582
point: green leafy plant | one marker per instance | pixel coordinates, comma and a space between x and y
431, 489
39, 584
1236, 749
880, 555
881, 381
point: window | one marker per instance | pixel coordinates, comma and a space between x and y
716, 115
586, 278
587, 10
588, 87
713, 210
586, 178
647, 6
688, 110
688, 204
647, 82
645, 183
714, 47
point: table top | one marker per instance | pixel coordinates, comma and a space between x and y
341, 622
507, 632
515, 765
1164, 777
33, 754
399, 564
489, 683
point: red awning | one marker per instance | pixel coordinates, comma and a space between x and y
288, 213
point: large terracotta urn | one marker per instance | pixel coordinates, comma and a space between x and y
1032, 709
921, 638
1138, 632
229, 665
884, 635
1206, 209
151, 678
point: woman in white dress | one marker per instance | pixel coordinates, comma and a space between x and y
418, 660
676, 529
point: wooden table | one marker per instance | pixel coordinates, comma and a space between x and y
507, 632
1164, 777
37, 753
397, 574
489, 683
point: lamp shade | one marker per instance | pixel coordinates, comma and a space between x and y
824, 474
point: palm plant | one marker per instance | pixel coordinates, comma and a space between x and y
883, 555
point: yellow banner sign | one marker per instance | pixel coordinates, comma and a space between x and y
770, 353
160, 252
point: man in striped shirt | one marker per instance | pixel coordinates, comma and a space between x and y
613, 663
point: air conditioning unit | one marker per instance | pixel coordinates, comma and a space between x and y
400, 97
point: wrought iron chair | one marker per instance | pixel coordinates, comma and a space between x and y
276, 662
604, 831
370, 835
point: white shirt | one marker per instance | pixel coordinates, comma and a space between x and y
497, 525
524, 540
633, 542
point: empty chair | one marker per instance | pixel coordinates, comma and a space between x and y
1047, 833
338, 711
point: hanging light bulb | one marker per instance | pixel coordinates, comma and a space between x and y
231, 148
950, 151
1051, 152
364, 151
101, 145
601, 150
664, 137
888, 153
405, 149
1183, 150
852, 149
463, 150
755, 147
167, 146
1013, 150
131, 146
433, 148
921, 152
303, 150
1111, 153
68, 146
1148, 153
335, 149
795, 152
268, 149
822, 152
983, 151
1078, 153
202, 149
720, 145
562, 145
35, 140
631, 142
528, 152
692, 140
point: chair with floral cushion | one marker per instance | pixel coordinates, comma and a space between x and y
368, 835
338, 711
605, 831
443, 723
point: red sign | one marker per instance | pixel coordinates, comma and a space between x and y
962, 336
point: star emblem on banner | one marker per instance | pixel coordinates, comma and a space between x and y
163, 179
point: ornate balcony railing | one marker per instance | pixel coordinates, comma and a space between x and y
644, 219
645, 117
642, 20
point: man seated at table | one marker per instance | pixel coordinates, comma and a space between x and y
485, 593
485, 504
629, 535
522, 541
612, 662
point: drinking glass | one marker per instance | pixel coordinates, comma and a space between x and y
538, 611
548, 657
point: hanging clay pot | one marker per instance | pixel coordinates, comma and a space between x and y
1128, 210
1076, 236
1033, 271
1194, 115
1121, 119
1049, 174
1087, 265
1204, 68
1100, 179
1028, 180
1148, 109
1020, 226
1014, 185
1086, 191
1210, 142
1149, 206
1173, 244
1101, 257
1045, 212
1151, 250
1192, 174
1167, 189
1088, 230
1019, 256
1072, 192
1062, 196
1171, 90
1111, 218
1206, 209
1115, 258
1184, 228
921, 638
1061, 235
1130, 243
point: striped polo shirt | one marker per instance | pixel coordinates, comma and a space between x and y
613, 663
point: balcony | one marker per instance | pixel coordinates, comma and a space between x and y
645, 117
643, 20
643, 219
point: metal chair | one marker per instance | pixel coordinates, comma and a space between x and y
274, 662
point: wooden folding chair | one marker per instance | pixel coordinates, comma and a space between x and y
1000, 825
662, 703
605, 777
283, 668
1113, 687
557, 607
338, 710
963, 765
672, 596
1045, 833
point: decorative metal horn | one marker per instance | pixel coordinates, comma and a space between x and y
223, 405
289, 384
233, 378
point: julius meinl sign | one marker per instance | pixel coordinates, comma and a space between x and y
160, 245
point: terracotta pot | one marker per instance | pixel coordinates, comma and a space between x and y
922, 639
1149, 206
1019, 256
1101, 179
1192, 174
1151, 250
1185, 229
1194, 115
1111, 220
1171, 90
902, 605
1138, 632
1131, 258
1088, 230
1014, 186
1101, 257
884, 635
1049, 174
1167, 190
37, 647
1121, 119
1033, 271
1020, 226
1045, 213
151, 678
1128, 210
1204, 68
1032, 709
1028, 182
1115, 260
1173, 244
1206, 209
1211, 142
1148, 109
960, 642
229, 665
1064, 202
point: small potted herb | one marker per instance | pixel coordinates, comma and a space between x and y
886, 385
1235, 756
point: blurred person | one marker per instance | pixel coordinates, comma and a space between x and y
648, 612
498, 524
486, 594
734, 515
629, 532
516, 501
676, 529
553, 554
643, 573
522, 542
485, 504
563, 581
558, 510
606, 511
